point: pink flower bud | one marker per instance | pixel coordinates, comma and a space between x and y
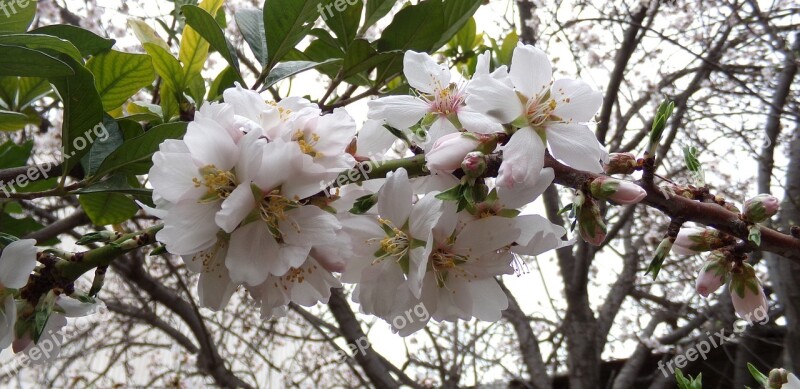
449, 151
761, 208
692, 240
474, 164
618, 191
621, 163
22, 343
747, 295
713, 274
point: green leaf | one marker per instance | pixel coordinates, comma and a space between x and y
207, 27
376, 9
87, 42
22, 61
343, 21
118, 76
456, 13
759, 376
286, 23
16, 17
363, 204
362, 57
465, 39
170, 102
104, 144
117, 184
417, 27
13, 121
22, 227
83, 110
288, 69
108, 208
146, 34
194, 49
754, 235
31, 89
506, 49
128, 158
226, 79
452, 194
14, 155
659, 123
42, 42
167, 66
251, 25
8, 92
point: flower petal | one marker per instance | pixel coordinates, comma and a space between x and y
424, 74
576, 101
531, 71
235, 208
251, 254
523, 157
17, 263
576, 146
399, 111
394, 198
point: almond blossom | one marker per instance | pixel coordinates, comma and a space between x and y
542, 112
391, 249
440, 102
17, 261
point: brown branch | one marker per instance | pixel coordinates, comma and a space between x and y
528, 343
708, 214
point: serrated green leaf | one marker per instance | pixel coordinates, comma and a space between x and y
363, 204
110, 139
25, 62
251, 25
226, 79
15, 17
13, 121
167, 66
375, 10
31, 89
342, 21
127, 158
287, 69
108, 208
205, 25
42, 42
194, 49
118, 76
757, 375
146, 34
87, 42
286, 23
83, 110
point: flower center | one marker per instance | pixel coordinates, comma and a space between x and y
539, 110
272, 209
284, 113
443, 263
395, 244
219, 183
307, 144
446, 101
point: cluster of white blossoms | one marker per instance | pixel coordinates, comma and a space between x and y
19, 319
242, 196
